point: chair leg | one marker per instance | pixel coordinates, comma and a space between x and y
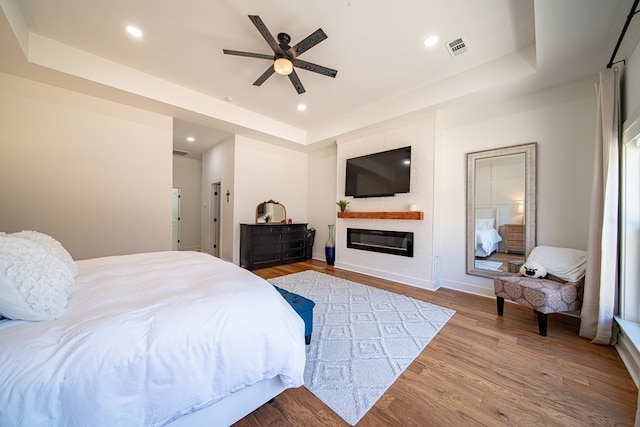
307, 339
542, 323
500, 302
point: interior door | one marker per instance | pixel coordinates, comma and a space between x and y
215, 219
175, 222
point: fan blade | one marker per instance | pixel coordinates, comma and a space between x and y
262, 29
264, 76
295, 81
248, 54
314, 67
308, 43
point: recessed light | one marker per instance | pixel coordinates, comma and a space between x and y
134, 31
431, 40
228, 99
302, 107
191, 139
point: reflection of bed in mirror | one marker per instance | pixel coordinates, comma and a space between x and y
487, 236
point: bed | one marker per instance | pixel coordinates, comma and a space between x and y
149, 339
487, 236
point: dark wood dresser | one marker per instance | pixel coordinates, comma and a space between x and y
265, 245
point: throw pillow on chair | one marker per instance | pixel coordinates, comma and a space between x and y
533, 269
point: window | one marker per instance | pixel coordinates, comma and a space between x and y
630, 222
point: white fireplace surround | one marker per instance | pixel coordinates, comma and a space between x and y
422, 270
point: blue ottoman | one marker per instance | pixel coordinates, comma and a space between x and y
304, 308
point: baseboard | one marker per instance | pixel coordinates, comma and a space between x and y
406, 280
628, 348
468, 288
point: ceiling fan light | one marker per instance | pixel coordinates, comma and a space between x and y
283, 66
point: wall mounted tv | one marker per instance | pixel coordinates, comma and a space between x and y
380, 174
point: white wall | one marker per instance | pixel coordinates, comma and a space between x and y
419, 132
187, 176
562, 121
263, 172
252, 171
321, 191
94, 174
218, 166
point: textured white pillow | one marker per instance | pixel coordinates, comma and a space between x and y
484, 223
34, 285
52, 246
567, 264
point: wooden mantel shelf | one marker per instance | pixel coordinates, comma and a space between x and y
382, 215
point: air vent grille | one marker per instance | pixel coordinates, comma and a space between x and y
457, 47
180, 152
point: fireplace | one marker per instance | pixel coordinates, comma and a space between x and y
388, 242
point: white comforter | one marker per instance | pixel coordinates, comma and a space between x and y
146, 338
486, 240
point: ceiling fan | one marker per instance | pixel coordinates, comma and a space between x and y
285, 57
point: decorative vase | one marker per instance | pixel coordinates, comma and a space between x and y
330, 247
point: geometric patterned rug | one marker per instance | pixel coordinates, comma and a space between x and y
488, 265
363, 338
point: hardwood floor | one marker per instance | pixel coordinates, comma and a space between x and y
504, 258
480, 370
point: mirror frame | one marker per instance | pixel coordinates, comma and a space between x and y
529, 150
273, 202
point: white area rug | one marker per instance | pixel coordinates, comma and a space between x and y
363, 338
488, 265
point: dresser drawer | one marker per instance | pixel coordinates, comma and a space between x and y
266, 249
292, 245
293, 254
515, 246
264, 229
266, 239
293, 228
286, 237
266, 258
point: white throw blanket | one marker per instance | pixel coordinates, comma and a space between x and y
146, 338
567, 264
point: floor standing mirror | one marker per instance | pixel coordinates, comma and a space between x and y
501, 209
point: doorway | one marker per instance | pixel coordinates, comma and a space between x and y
215, 219
175, 221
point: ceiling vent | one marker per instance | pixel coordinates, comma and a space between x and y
457, 47
180, 152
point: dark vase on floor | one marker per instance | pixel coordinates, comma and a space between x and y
330, 248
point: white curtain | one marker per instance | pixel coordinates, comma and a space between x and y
600, 290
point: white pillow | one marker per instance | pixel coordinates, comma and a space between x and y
52, 246
484, 223
567, 264
533, 269
34, 284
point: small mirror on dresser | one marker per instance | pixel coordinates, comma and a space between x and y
270, 211
501, 209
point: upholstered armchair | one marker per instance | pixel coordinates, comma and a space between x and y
559, 290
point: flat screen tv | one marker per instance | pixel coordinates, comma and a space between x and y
380, 174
